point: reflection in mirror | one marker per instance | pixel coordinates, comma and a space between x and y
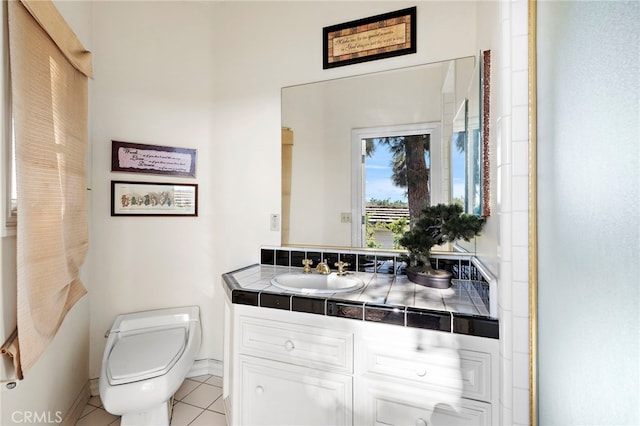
327, 201
392, 180
470, 144
458, 163
473, 149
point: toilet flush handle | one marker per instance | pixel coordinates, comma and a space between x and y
106, 334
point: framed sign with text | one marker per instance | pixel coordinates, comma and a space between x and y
154, 159
368, 39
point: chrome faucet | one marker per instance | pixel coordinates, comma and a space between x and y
323, 268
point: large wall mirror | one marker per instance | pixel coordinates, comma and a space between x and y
356, 142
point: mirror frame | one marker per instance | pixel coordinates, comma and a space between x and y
533, 215
485, 114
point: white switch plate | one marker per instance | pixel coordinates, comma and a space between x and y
345, 217
274, 222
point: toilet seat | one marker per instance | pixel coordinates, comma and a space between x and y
143, 354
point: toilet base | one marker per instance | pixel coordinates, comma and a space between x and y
156, 416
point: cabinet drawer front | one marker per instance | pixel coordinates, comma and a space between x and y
274, 393
297, 344
389, 404
461, 372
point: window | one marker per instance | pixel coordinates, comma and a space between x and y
13, 191
49, 96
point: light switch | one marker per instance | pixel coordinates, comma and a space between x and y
275, 222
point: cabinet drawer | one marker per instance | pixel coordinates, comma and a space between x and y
277, 394
297, 344
402, 405
458, 371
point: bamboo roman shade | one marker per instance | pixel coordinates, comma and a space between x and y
49, 70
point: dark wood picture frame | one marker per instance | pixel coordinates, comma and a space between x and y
154, 159
376, 37
153, 199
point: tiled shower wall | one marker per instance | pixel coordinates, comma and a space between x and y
512, 133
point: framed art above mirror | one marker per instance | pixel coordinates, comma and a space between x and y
321, 120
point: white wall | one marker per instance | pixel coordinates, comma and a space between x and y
208, 76
60, 376
58, 379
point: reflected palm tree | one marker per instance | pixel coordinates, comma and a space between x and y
410, 164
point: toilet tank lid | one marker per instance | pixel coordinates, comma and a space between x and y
144, 354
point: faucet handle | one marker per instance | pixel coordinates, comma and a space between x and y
307, 265
341, 265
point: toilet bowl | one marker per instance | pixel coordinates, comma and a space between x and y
147, 357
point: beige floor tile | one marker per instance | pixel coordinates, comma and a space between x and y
98, 417
202, 378
209, 418
95, 401
88, 409
215, 381
186, 387
184, 414
218, 406
203, 396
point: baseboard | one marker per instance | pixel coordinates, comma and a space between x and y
200, 368
206, 366
78, 406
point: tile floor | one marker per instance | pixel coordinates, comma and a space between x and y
198, 402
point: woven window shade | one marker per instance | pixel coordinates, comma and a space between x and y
49, 106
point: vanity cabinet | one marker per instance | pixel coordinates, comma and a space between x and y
291, 368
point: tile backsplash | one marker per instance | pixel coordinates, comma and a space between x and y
460, 265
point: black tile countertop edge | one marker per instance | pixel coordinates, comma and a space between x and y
475, 325
451, 322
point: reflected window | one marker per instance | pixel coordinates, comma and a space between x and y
397, 186
474, 166
458, 173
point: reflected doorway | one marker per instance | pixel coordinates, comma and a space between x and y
396, 174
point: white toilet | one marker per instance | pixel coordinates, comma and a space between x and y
146, 359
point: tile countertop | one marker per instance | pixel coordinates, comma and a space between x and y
386, 298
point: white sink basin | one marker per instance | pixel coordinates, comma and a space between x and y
299, 282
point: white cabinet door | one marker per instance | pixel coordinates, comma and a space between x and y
275, 393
